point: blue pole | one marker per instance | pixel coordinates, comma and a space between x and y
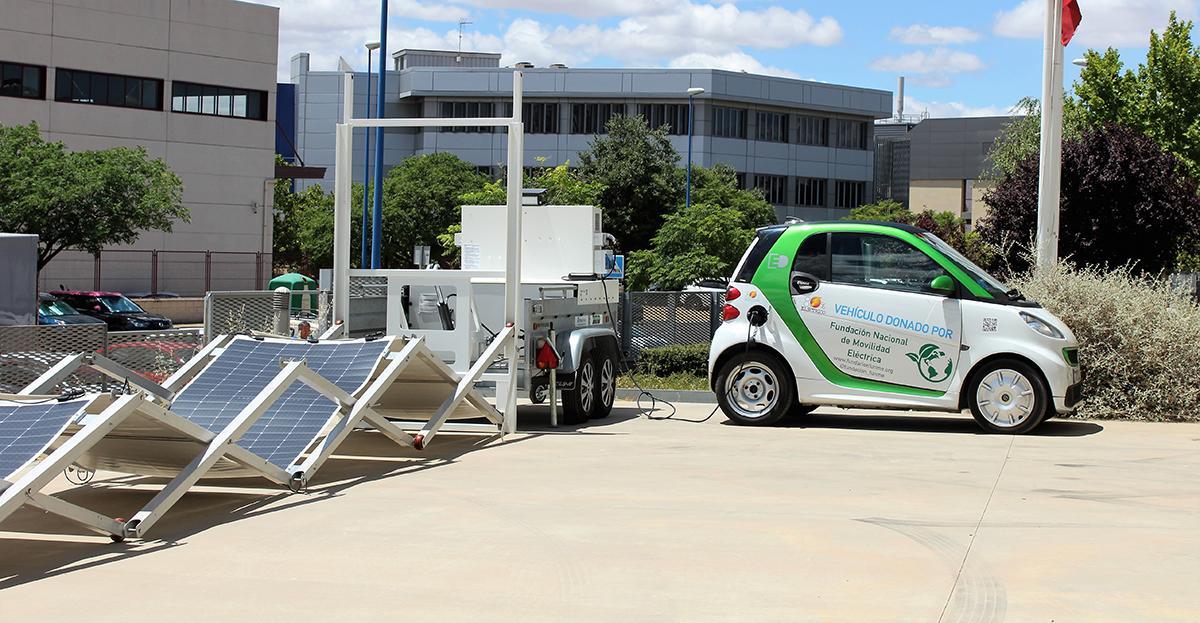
366, 172
377, 202
688, 192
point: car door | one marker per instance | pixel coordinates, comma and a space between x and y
868, 302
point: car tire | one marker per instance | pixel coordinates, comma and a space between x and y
799, 410
755, 389
579, 402
1008, 396
606, 385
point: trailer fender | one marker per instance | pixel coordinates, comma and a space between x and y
574, 344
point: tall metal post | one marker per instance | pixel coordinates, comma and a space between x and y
366, 252
512, 251
691, 119
342, 174
1050, 164
377, 201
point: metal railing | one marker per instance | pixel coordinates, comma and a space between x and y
653, 319
28, 351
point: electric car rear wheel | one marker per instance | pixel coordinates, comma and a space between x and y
1008, 396
754, 388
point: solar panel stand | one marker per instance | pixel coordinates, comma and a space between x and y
220, 447
465, 390
60, 371
27, 488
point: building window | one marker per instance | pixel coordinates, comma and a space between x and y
204, 99
741, 179
771, 126
593, 118
773, 187
729, 122
849, 194
813, 131
672, 116
459, 110
89, 87
540, 117
852, 134
810, 191
20, 80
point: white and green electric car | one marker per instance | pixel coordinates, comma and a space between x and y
880, 315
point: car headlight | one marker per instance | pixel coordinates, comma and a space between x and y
1041, 326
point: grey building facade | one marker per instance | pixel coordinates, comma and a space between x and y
807, 145
937, 164
191, 81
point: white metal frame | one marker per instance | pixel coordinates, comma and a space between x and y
506, 395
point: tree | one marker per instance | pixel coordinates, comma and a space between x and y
1124, 199
636, 168
705, 240
420, 200
82, 200
945, 225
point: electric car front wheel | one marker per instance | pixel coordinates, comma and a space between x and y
754, 388
1008, 396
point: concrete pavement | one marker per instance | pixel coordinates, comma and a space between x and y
843, 516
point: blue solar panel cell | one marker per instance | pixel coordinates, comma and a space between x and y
215, 397
26, 430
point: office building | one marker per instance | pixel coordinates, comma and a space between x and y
193, 82
807, 145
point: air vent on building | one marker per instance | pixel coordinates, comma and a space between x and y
523, 65
557, 66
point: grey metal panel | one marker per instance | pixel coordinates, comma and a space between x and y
953, 149
18, 273
593, 82
215, 397
26, 430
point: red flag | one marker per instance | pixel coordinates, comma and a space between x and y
1070, 20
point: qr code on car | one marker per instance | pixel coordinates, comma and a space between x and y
989, 325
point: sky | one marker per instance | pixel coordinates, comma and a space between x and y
960, 57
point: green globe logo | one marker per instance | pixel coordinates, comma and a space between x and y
933, 363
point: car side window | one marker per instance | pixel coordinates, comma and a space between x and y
876, 261
813, 257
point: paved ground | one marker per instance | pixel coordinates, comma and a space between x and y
851, 518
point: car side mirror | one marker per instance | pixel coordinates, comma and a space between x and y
943, 284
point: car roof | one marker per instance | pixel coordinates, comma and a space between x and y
899, 226
84, 293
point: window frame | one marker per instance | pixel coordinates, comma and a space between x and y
729, 122
926, 290
769, 189
858, 188
771, 126
593, 117
823, 185
207, 97
804, 125
658, 114
23, 69
111, 96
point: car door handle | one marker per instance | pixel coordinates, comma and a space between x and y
804, 283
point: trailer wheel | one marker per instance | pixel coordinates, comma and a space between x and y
539, 392
579, 402
606, 385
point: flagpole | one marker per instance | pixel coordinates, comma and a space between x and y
1050, 164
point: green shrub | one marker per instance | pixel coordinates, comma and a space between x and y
1139, 340
674, 359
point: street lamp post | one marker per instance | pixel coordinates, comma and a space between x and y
366, 251
691, 93
377, 198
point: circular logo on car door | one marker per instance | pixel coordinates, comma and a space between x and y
933, 363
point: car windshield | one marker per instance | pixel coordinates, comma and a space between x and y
986, 281
57, 308
120, 305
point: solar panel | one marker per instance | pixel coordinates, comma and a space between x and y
215, 397
26, 430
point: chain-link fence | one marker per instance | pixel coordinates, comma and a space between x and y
652, 319
254, 311
26, 352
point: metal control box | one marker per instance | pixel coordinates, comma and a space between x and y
18, 273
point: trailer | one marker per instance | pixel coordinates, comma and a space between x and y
508, 316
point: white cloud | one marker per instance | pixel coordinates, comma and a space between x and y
936, 109
932, 68
1105, 23
583, 8
732, 61
922, 34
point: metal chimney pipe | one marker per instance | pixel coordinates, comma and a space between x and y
900, 100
